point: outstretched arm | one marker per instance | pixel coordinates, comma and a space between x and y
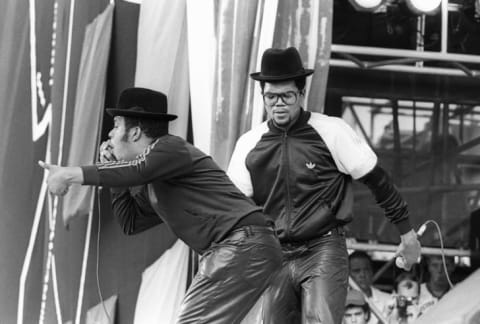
60, 178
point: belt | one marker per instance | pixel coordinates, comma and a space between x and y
248, 231
309, 242
255, 218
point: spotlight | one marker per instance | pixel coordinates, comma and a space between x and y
366, 5
424, 6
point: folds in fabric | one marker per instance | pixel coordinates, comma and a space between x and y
162, 57
103, 313
163, 287
237, 37
88, 111
307, 25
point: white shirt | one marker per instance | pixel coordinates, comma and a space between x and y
380, 299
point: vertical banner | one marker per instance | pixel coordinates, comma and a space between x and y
307, 25
201, 62
162, 57
236, 36
162, 65
88, 111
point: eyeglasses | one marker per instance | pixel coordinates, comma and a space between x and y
288, 98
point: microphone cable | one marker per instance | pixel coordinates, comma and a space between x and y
99, 191
421, 230
442, 248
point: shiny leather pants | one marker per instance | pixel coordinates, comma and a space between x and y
232, 275
312, 285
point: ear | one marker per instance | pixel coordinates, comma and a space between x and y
135, 133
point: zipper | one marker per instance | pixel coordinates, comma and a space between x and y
288, 206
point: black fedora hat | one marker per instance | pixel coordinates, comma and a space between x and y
281, 65
143, 103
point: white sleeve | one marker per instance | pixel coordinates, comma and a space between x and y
237, 168
351, 154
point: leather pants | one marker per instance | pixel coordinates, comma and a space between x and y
231, 276
312, 285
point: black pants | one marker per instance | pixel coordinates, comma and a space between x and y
232, 275
312, 285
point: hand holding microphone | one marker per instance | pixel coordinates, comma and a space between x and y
106, 152
409, 251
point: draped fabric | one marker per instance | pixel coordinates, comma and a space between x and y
36, 285
211, 63
88, 111
201, 61
307, 25
235, 32
244, 29
162, 64
243, 32
162, 56
163, 287
103, 313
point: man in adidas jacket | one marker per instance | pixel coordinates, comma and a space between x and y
299, 165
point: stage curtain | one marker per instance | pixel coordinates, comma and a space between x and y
103, 313
307, 25
237, 38
162, 57
163, 287
243, 31
201, 62
162, 65
88, 111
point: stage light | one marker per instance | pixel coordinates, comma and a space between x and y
366, 5
424, 6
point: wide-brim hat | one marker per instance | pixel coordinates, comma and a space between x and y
142, 103
281, 65
355, 298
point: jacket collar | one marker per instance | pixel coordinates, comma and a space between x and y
301, 120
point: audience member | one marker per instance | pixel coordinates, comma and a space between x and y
437, 284
361, 271
403, 308
357, 310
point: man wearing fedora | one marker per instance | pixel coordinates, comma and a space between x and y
299, 166
157, 177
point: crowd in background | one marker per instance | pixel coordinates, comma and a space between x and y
413, 293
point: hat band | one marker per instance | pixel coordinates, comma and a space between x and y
283, 75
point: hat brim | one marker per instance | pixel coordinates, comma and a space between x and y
260, 77
128, 113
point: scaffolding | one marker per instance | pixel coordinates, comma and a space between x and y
429, 144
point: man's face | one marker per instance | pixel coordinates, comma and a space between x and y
361, 272
120, 140
408, 289
436, 271
355, 315
283, 114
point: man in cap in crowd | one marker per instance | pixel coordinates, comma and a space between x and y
299, 166
357, 310
361, 271
157, 177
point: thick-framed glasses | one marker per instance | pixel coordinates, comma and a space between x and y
288, 98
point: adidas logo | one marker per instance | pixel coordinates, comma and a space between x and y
310, 165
